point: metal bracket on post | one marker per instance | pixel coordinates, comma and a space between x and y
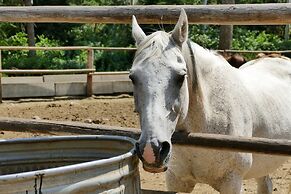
90, 65
0, 77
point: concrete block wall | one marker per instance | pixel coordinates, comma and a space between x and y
22, 79
64, 78
102, 87
70, 89
83, 78
121, 77
24, 90
122, 87
63, 85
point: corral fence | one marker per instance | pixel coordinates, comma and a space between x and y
213, 141
90, 68
237, 14
247, 14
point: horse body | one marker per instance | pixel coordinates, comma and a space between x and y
254, 94
179, 85
268, 80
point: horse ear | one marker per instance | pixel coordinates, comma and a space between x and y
180, 32
137, 32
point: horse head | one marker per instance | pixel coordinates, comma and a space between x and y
161, 96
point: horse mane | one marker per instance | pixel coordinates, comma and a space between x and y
207, 61
211, 54
189, 57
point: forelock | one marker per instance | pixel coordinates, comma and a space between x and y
157, 42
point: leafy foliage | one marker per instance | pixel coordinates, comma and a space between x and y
245, 37
206, 36
43, 60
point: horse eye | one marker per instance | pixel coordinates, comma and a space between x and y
179, 59
132, 78
180, 78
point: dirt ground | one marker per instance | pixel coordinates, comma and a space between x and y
115, 111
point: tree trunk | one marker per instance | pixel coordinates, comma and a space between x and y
30, 31
226, 32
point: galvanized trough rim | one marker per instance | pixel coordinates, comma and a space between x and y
73, 167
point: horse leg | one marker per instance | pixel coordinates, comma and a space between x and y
265, 185
231, 184
177, 183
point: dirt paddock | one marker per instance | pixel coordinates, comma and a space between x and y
115, 111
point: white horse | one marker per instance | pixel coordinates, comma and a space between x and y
179, 85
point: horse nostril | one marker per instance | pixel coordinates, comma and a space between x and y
165, 149
153, 152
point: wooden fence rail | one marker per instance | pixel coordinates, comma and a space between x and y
66, 48
130, 49
238, 14
47, 71
213, 141
255, 52
234, 143
90, 61
89, 70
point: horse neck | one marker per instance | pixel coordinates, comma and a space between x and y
207, 73
206, 62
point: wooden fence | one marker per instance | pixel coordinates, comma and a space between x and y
90, 69
212, 141
242, 14
238, 14
247, 14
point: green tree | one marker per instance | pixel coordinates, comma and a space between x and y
244, 37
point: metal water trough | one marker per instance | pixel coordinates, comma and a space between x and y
69, 164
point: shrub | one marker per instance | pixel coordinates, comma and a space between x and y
55, 59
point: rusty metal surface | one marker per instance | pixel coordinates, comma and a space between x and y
69, 164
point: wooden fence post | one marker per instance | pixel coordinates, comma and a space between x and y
0, 77
90, 65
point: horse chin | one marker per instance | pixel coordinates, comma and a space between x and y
155, 169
